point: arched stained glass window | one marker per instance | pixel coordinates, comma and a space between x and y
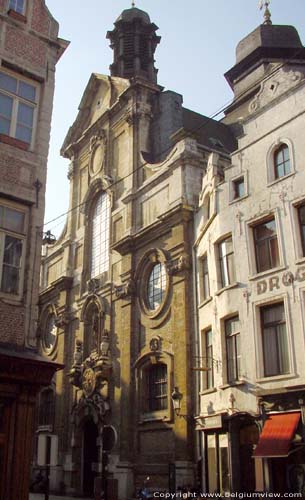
100, 236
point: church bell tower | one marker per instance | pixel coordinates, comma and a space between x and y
134, 42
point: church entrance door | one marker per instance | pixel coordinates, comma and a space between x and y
90, 457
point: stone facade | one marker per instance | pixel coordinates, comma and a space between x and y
118, 283
29, 51
249, 268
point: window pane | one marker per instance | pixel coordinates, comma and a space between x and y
50, 333
157, 387
25, 115
270, 352
283, 349
4, 126
11, 265
27, 91
275, 343
156, 286
224, 472
212, 463
12, 219
6, 106
239, 188
274, 253
8, 83
266, 246
17, 5
100, 236
231, 361
23, 133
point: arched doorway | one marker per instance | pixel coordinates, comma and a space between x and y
89, 457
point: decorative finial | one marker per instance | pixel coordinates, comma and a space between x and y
267, 13
133, 4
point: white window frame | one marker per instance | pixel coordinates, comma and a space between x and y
21, 236
260, 376
250, 224
13, 5
18, 99
234, 179
220, 260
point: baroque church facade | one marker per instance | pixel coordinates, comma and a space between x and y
179, 364
116, 302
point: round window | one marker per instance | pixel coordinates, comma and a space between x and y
156, 286
50, 333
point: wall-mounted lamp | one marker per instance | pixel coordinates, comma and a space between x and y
48, 238
176, 399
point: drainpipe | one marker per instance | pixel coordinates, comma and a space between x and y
197, 353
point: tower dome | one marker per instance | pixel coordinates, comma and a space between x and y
134, 42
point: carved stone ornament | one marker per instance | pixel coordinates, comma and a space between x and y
93, 285
281, 82
97, 154
183, 263
88, 382
125, 290
63, 319
155, 344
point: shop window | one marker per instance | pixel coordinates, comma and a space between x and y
156, 388
301, 214
233, 351
218, 467
274, 340
12, 243
204, 284
226, 262
281, 161
156, 286
18, 105
100, 236
266, 245
207, 353
17, 6
46, 408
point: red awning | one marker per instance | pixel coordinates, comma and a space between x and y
277, 434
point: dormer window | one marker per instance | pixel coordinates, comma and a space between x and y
281, 161
17, 6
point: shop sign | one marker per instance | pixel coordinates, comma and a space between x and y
214, 422
277, 281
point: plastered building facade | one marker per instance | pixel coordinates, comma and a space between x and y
250, 277
116, 304
29, 51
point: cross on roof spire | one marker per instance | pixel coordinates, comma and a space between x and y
267, 13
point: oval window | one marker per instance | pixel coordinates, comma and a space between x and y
156, 286
50, 333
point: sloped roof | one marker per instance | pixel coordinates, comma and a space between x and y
209, 132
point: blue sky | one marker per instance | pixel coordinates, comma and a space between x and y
198, 44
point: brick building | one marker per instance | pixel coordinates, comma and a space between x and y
29, 51
116, 305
